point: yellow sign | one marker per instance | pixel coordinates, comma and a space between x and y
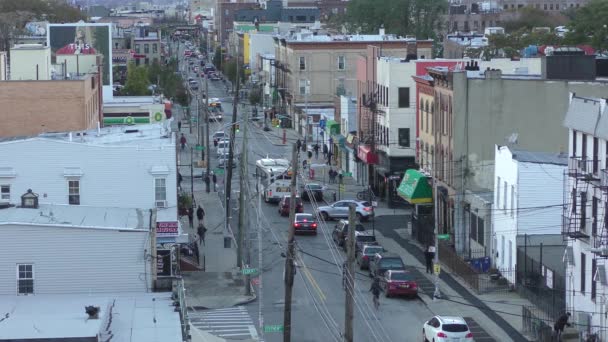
342, 187
437, 268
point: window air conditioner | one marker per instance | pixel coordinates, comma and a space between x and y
161, 204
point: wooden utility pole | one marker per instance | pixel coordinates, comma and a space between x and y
242, 204
228, 192
349, 274
289, 264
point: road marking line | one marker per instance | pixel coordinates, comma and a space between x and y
314, 283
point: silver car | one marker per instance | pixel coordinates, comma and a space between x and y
339, 209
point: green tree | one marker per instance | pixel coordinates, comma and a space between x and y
403, 17
137, 81
530, 17
217, 59
181, 95
589, 25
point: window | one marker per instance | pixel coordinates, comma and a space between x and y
304, 87
341, 62
160, 189
584, 145
504, 202
154, 48
545, 7
596, 152
302, 63
512, 200
5, 192
146, 48
473, 227
137, 48
594, 207
497, 192
551, 7
404, 97
593, 282
583, 211
74, 192
25, 279
404, 137
480, 231
583, 273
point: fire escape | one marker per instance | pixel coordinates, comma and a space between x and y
601, 240
578, 189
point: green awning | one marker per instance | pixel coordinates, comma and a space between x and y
415, 188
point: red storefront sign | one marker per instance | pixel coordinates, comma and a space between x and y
164, 229
366, 155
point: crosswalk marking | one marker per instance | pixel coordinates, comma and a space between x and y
235, 322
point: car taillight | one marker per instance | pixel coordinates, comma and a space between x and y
441, 334
365, 257
297, 225
269, 192
368, 209
314, 225
469, 335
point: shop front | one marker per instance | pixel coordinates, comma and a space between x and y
416, 189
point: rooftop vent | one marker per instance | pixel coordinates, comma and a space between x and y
92, 311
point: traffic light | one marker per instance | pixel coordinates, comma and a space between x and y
237, 128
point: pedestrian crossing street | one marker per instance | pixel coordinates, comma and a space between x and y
230, 323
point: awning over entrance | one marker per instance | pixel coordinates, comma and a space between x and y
415, 188
333, 127
366, 155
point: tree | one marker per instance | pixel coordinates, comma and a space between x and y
217, 59
530, 17
181, 95
137, 81
589, 25
402, 17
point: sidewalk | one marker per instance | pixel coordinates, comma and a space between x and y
220, 284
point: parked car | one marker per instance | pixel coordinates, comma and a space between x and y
366, 253
398, 283
215, 77
362, 239
219, 135
446, 328
341, 231
222, 147
383, 262
340, 209
223, 160
312, 189
284, 205
305, 223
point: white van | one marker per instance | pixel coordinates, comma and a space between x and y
223, 146
275, 191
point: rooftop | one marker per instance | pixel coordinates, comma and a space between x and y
539, 157
29, 47
77, 216
588, 115
143, 135
127, 317
309, 37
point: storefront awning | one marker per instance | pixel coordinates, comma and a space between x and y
415, 188
366, 155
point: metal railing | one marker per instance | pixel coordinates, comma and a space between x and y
449, 257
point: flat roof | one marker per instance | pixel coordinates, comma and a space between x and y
142, 135
133, 317
539, 157
77, 216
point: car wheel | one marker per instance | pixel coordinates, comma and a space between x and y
424, 336
387, 294
324, 216
359, 216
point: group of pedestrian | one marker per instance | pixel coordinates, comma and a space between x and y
333, 174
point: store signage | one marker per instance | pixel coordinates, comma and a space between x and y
164, 229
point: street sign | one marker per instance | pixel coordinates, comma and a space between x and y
443, 236
375, 204
347, 174
247, 271
273, 328
200, 147
437, 268
218, 171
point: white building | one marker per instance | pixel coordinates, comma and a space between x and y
3, 66
30, 62
69, 249
126, 167
524, 179
586, 213
348, 128
260, 44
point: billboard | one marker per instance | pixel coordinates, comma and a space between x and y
83, 39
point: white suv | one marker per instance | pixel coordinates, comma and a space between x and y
340, 209
446, 328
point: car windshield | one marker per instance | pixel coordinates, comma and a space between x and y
391, 263
359, 228
372, 250
366, 238
366, 204
306, 217
400, 276
455, 327
314, 187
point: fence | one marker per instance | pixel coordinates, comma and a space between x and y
536, 323
448, 257
179, 300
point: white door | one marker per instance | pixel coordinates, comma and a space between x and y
502, 251
510, 255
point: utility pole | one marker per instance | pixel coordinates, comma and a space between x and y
289, 265
437, 293
207, 146
260, 267
228, 191
242, 202
349, 274
244, 233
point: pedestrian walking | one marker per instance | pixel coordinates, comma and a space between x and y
325, 151
207, 181
559, 325
179, 125
340, 177
304, 163
183, 141
215, 142
214, 178
201, 233
200, 214
429, 255
316, 148
190, 217
309, 154
179, 180
298, 144
329, 155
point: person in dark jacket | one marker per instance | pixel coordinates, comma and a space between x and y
207, 182
179, 180
316, 148
298, 144
214, 182
190, 216
179, 125
325, 150
559, 325
201, 233
429, 255
200, 214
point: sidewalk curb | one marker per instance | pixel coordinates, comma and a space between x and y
253, 298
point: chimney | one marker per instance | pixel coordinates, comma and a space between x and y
493, 74
382, 30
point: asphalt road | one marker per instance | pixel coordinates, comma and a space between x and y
318, 297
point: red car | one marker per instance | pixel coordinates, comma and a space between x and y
398, 283
284, 205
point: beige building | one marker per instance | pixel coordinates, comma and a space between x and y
313, 69
3, 66
34, 107
30, 62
